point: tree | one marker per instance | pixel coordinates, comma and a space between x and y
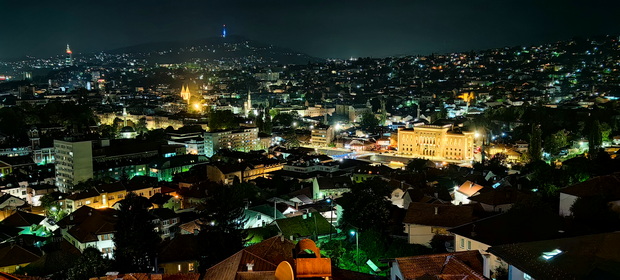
222, 233
260, 122
135, 238
369, 121
366, 206
291, 140
268, 124
555, 142
535, 148
595, 213
141, 126
595, 138
222, 119
283, 119
90, 264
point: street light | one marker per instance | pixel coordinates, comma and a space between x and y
331, 217
357, 248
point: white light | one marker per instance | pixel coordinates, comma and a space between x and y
550, 255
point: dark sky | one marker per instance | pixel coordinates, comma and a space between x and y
324, 28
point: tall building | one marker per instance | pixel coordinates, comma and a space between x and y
74, 163
247, 105
322, 135
436, 142
185, 93
69, 58
245, 140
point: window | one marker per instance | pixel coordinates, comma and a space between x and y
258, 217
190, 267
468, 245
462, 242
179, 268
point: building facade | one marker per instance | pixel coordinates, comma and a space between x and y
74, 163
322, 135
436, 143
244, 140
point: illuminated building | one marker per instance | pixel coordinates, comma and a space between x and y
247, 105
69, 58
74, 163
436, 143
322, 135
185, 93
244, 140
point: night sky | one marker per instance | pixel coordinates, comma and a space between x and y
323, 28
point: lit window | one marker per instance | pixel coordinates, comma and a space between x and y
468, 245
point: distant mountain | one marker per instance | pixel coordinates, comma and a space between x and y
215, 48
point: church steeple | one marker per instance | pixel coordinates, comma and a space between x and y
185, 93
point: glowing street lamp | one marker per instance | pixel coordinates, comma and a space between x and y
357, 248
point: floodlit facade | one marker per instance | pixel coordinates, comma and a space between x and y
322, 135
436, 143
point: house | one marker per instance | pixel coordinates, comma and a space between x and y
465, 191
106, 195
507, 228
9, 202
88, 227
24, 221
424, 221
261, 215
258, 259
467, 265
304, 226
499, 200
225, 173
179, 255
165, 221
36, 192
582, 257
334, 187
13, 256
148, 276
265, 259
607, 187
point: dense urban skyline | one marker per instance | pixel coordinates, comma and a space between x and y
335, 29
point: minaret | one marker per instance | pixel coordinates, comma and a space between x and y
69, 58
248, 104
224, 31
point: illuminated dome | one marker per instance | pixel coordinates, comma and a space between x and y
127, 129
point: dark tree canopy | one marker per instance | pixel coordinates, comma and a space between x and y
366, 206
135, 238
90, 264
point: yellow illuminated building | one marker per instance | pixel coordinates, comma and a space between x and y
186, 94
441, 143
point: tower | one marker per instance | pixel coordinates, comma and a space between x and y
248, 104
224, 31
69, 58
185, 93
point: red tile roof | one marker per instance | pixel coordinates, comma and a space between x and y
442, 215
462, 265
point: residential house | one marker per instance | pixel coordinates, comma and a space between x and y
607, 187
148, 276
28, 223
334, 187
13, 257
466, 265
305, 226
179, 254
424, 221
89, 227
582, 257
36, 192
225, 173
499, 200
260, 216
465, 191
9, 202
507, 228
166, 222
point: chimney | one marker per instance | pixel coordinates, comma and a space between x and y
250, 265
436, 210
